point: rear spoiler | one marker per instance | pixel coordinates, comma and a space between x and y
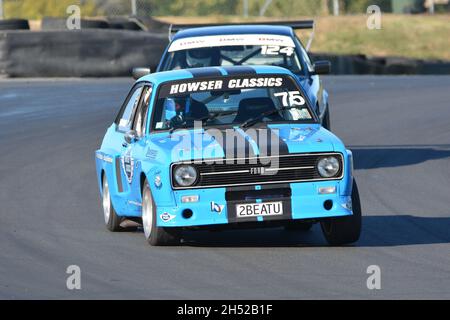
300, 24
296, 25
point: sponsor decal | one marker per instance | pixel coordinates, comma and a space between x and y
291, 98
215, 207
151, 153
231, 40
135, 203
104, 157
166, 217
196, 86
158, 180
226, 84
128, 165
107, 159
276, 50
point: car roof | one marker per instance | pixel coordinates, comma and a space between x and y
235, 29
212, 72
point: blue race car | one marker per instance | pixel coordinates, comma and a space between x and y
268, 43
225, 147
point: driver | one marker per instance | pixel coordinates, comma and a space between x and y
174, 111
203, 57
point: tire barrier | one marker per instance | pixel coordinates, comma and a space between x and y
124, 24
50, 23
14, 24
115, 52
361, 64
80, 53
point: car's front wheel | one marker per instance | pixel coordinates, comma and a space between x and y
112, 220
156, 236
344, 230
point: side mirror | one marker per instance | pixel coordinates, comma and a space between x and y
130, 136
322, 67
140, 72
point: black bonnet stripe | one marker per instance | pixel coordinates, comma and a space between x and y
283, 147
240, 70
265, 136
240, 147
205, 72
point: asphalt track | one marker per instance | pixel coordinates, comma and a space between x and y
50, 215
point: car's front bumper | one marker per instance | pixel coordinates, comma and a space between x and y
216, 206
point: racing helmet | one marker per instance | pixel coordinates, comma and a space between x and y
170, 108
197, 58
174, 106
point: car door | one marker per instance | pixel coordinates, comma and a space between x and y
133, 151
114, 147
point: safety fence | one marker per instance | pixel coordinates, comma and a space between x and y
36, 9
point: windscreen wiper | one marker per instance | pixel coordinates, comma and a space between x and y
215, 115
250, 122
183, 125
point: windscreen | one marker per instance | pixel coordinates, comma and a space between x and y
229, 101
230, 50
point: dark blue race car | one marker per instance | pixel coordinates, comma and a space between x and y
272, 43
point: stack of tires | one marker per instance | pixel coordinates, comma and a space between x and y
49, 23
124, 24
117, 23
14, 24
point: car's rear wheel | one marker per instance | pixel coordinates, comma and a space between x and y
298, 226
344, 230
156, 236
112, 220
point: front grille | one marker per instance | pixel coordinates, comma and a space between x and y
237, 172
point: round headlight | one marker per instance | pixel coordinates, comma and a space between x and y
328, 167
185, 175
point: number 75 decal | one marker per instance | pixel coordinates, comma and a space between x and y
275, 50
291, 98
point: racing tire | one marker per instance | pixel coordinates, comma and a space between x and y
156, 236
344, 230
112, 220
93, 24
124, 25
51, 23
298, 226
14, 24
326, 120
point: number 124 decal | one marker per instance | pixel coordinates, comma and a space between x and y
275, 50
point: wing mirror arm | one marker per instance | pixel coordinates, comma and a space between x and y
131, 136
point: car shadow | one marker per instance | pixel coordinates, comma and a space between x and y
378, 231
372, 157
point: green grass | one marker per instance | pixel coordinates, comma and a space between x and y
411, 36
